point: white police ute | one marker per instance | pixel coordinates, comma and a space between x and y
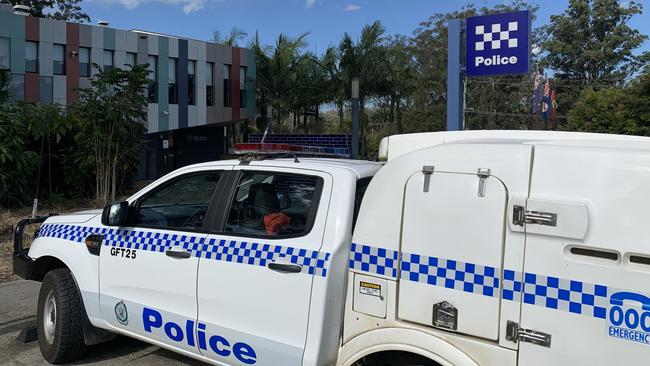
468, 248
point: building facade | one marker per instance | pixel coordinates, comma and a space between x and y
199, 92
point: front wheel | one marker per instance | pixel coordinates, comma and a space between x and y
60, 318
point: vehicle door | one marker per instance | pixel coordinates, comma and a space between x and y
148, 270
586, 289
451, 252
255, 278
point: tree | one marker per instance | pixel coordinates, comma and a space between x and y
593, 42
68, 10
231, 39
111, 115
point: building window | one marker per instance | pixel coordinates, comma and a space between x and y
84, 62
58, 59
242, 87
153, 78
45, 89
5, 53
130, 59
109, 58
31, 56
17, 87
226, 85
191, 85
209, 86
173, 95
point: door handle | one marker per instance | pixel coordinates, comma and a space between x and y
285, 267
181, 254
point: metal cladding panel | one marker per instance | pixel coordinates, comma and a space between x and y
32, 87
120, 59
85, 35
251, 76
173, 47
226, 114
173, 117
97, 38
109, 39
72, 62
181, 82
45, 32
201, 114
132, 42
154, 44
45, 52
31, 29
193, 49
97, 57
202, 49
5, 24
120, 40
17, 26
59, 89
243, 56
17, 56
152, 118
163, 83
58, 32
192, 114
243, 113
234, 84
142, 49
211, 115
211, 51
224, 54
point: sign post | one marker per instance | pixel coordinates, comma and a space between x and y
495, 44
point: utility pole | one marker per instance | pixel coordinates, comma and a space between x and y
355, 119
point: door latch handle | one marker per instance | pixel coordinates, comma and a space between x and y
285, 267
181, 254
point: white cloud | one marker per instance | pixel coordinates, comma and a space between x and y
310, 3
188, 6
352, 7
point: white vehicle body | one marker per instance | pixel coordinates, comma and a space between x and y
471, 248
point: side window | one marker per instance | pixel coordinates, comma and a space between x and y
362, 185
274, 204
180, 203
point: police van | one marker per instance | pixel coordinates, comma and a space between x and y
462, 248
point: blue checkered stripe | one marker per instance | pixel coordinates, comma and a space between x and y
534, 289
556, 293
451, 274
251, 253
374, 260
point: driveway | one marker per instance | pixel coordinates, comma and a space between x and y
18, 310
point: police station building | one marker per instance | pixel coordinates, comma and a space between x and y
199, 96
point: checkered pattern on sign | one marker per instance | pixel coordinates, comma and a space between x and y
375, 260
451, 274
251, 253
496, 36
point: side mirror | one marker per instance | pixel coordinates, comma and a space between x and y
115, 214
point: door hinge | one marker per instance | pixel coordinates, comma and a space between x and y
483, 175
521, 216
427, 170
516, 334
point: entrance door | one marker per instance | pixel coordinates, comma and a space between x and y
148, 270
255, 280
452, 245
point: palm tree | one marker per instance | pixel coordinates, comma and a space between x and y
231, 39
364, 59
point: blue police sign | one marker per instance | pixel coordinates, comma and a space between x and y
498, 44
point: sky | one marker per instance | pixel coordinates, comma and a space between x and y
325, 20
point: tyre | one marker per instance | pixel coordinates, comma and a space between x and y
395, 358
60, 318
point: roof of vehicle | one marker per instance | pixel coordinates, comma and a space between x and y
361, 168
397, 145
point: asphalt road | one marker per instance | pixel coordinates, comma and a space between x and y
18, 310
